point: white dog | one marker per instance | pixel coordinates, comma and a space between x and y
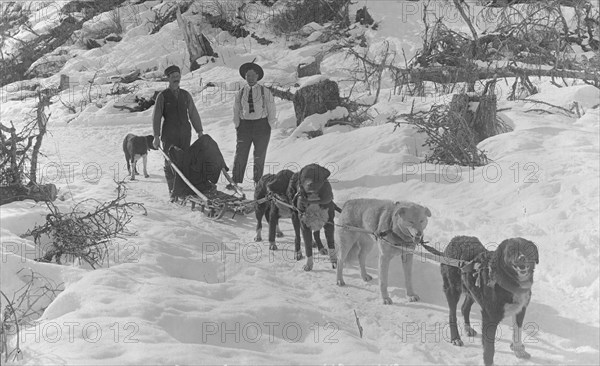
397, 223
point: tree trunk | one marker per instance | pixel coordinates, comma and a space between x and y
316, 98
310, 69
481, 121
8, 194
197, 44
484, 124
64, 82
459, 109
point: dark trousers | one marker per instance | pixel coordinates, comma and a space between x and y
257, 132
183, 142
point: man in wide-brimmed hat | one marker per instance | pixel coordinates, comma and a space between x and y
177, 108
253, 117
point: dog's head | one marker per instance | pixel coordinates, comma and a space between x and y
411, 220
311, 179
519, 256
150, 142
280, 182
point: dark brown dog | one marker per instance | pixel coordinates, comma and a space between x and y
500, 282
315, 210
136, 147
276, 185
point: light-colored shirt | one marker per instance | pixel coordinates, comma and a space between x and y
262, 108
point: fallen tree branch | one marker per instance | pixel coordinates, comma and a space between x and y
446, 74
569, 112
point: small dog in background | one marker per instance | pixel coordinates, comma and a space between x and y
136, 147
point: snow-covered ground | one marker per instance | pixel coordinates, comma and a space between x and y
188, 290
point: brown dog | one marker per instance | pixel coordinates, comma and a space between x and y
312, 197
500, 282
277, 185
136, 147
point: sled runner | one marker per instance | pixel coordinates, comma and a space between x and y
197, 171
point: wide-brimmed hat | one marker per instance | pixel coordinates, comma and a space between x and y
171, 69
251, 66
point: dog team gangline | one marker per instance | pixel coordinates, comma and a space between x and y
240, 205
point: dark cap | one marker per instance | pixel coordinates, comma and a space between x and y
171, 69
251, 66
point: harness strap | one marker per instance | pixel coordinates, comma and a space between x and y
435, 256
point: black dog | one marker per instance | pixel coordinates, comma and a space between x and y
277, 185
315, 209
500, 282
135, 147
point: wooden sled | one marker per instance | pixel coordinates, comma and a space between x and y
215, 204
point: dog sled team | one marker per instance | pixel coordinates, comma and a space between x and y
499, 281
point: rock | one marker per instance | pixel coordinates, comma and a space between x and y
113, 38
316, 98
310, 28
91, 43
363, 16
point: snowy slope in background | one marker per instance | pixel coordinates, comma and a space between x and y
187, 290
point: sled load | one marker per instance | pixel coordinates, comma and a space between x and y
198, 170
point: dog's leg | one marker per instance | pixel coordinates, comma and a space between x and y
384, 266
466, 312
317, 243
330, 237
296, 223
278, 232
132, 171
488, 338
407, 261
517, 345
363, 251
259, 212
307, 236
128, 164
273, 222
135, 159
452, 292
145, 161
344, 250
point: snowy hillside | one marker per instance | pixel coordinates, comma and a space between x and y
188, 290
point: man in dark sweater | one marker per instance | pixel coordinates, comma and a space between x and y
177, 108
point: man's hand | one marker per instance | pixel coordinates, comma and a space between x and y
156, 142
